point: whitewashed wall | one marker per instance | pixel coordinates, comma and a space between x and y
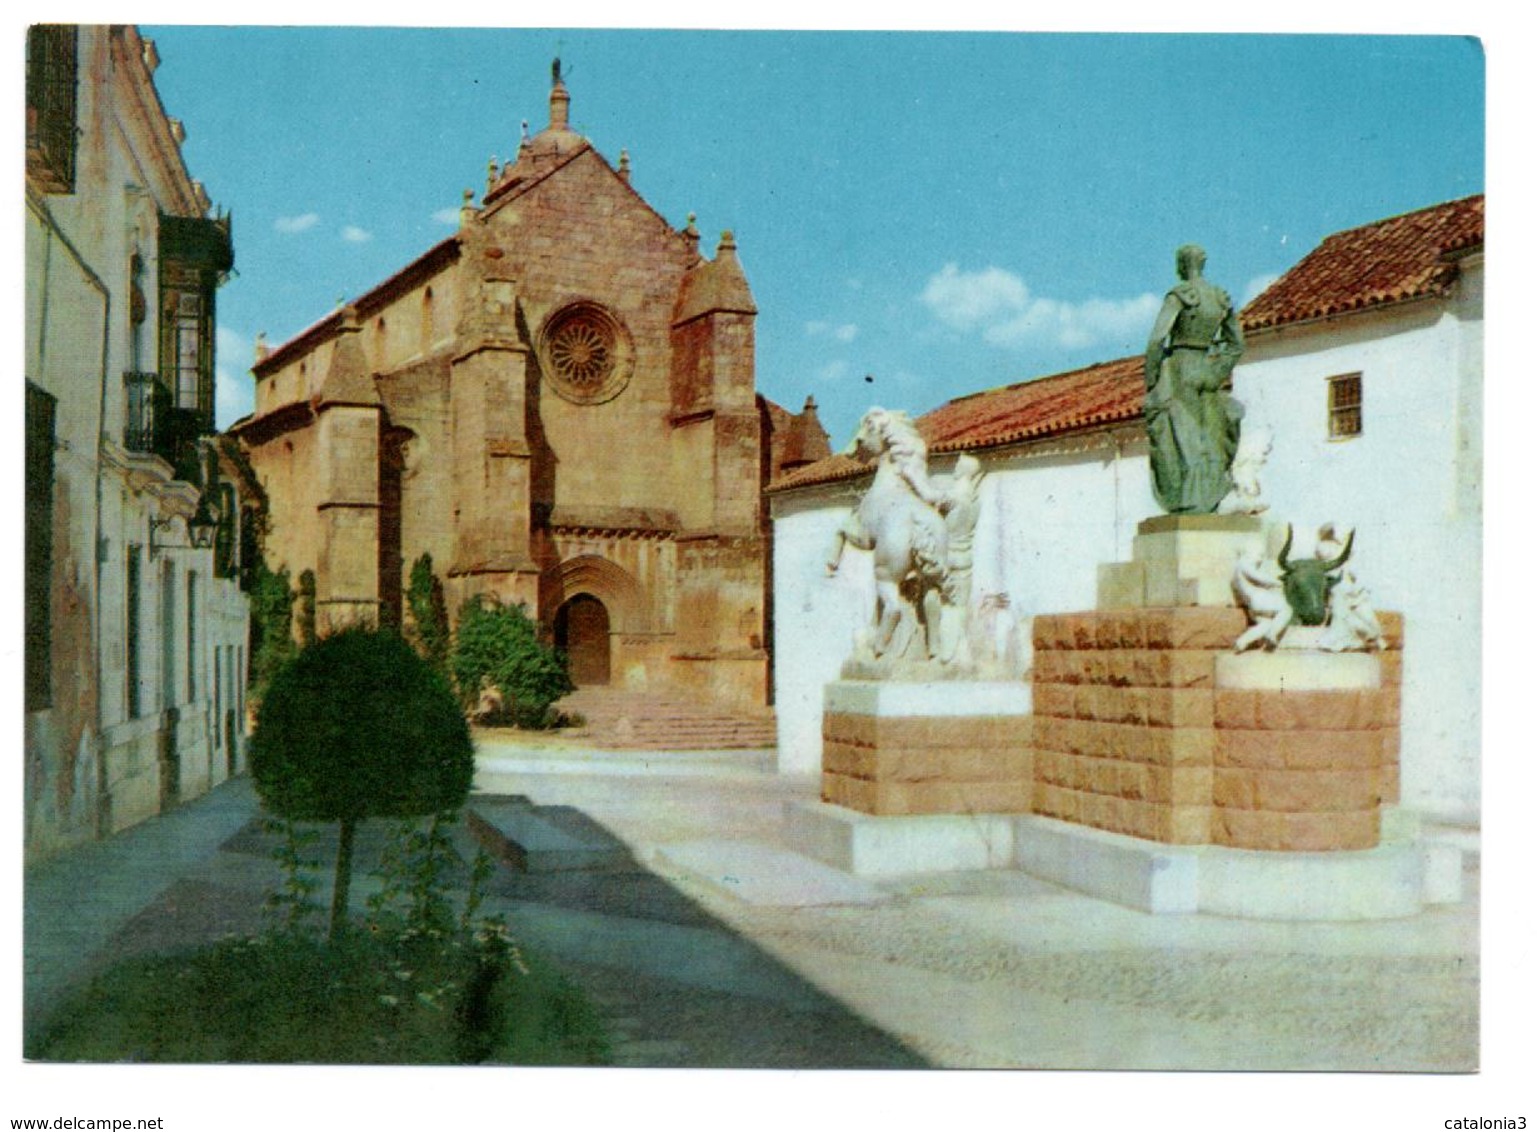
1051, 514
1410, 484
815, 617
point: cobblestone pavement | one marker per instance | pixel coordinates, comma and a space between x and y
982, 969
998, 969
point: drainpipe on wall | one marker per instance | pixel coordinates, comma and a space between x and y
54, 232
1115, 477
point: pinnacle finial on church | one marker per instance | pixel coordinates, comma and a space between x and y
491, 173
624, 164
560, 100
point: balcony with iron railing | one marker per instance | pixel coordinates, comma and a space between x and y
148, 401
155, 427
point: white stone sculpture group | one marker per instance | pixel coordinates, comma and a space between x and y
920, 530
1253, 450
1318, 593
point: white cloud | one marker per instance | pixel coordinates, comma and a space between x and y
355, 235
844, 332
1076, 325
446, 216
230, 344
293, 225
1255, 287
999, 304
833, 371
965, 300
234, 391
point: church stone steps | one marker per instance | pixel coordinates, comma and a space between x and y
636, 721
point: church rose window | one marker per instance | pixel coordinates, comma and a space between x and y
586, 354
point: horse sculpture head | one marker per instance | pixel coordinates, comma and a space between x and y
887, 431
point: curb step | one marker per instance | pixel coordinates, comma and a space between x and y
636, 721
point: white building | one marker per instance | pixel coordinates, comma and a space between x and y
136, 625
1366, 362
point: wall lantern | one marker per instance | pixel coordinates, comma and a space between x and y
200, 529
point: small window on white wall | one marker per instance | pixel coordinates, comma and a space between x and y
1345, 406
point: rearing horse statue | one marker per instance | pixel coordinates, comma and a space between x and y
900, 519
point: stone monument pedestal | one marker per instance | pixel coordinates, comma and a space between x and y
942, 747
1179, 560
1148, 724
1396, 878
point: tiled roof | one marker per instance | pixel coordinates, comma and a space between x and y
1066, 402
796, 439
376, 297
1403, 257
1103, 394
713, 285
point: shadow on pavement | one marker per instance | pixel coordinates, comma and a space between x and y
676, 986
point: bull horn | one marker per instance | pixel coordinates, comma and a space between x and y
1344, 554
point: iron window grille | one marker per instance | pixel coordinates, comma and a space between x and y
1345, 406
148, 401
40, 438
52, 68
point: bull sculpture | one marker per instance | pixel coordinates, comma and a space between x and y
1275, 592
1308, 582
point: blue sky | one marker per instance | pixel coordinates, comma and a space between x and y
940, 212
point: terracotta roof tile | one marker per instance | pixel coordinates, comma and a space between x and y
835, 467
1403, 257
713, 285
324, 328
1103, 394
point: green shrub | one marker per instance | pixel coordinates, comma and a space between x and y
359, 726
306, 608
428, 627
293, 998
497, 646
272, 635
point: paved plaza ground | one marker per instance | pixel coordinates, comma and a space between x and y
669, 892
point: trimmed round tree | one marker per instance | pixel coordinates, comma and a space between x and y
359, 726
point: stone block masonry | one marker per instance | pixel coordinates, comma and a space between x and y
889, 765
1133, 733
557, 403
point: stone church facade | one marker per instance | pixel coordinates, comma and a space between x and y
558, 404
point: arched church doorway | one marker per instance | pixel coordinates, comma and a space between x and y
581, 631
